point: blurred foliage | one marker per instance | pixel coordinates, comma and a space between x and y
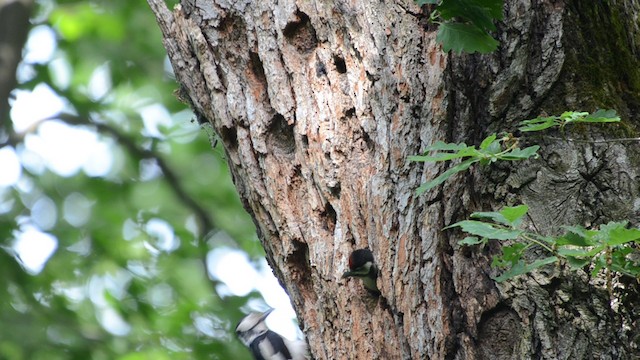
127, 279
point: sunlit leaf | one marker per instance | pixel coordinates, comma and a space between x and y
580, 252
493, 215
537, 124
472, 240
444, 176
518, 154
602, 116
487, 141
522, 268
618, 234
514, 214
487, 230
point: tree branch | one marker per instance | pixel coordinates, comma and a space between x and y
202, 216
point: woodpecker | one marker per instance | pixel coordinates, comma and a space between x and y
361, 265
266, 344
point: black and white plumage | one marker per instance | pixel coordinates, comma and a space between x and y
266, 344
361, 265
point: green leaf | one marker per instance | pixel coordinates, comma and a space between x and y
543, 239
444, 176
480, 13
571, 116
495, 216
465, 37
537, 124
540, 263
522, 268
602, 116
425, 2
457, 151
493, 7
580, 252
517, 154
438, 157
487, 230
84, 20
578, 263
514, 214
622, 264
599, 264
618, 234
493, 148
510, 256
487, 141
513, 271
567, 117
571, 238
443, 146
538, 120
510, 216
472, 240
579, 230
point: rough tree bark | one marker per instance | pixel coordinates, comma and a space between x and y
319, 103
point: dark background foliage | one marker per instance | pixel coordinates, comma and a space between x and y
128, 277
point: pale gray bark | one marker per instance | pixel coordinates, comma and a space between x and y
318, 105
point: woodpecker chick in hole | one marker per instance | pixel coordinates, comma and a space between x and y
361, 265
266, 344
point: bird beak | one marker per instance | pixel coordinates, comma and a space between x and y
359, 272
265, 314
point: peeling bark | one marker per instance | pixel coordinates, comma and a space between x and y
318, 105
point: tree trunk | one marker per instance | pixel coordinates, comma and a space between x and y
14, 28
319, 104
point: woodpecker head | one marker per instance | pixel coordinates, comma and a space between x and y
265, 344
361, 265
252, 326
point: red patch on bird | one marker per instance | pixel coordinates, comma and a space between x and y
351, 261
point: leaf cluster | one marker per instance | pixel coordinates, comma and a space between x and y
568, 117
490, 150
494, 148
465, 24
612, 247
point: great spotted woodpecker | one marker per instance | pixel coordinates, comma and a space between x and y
361, 265
266, 344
